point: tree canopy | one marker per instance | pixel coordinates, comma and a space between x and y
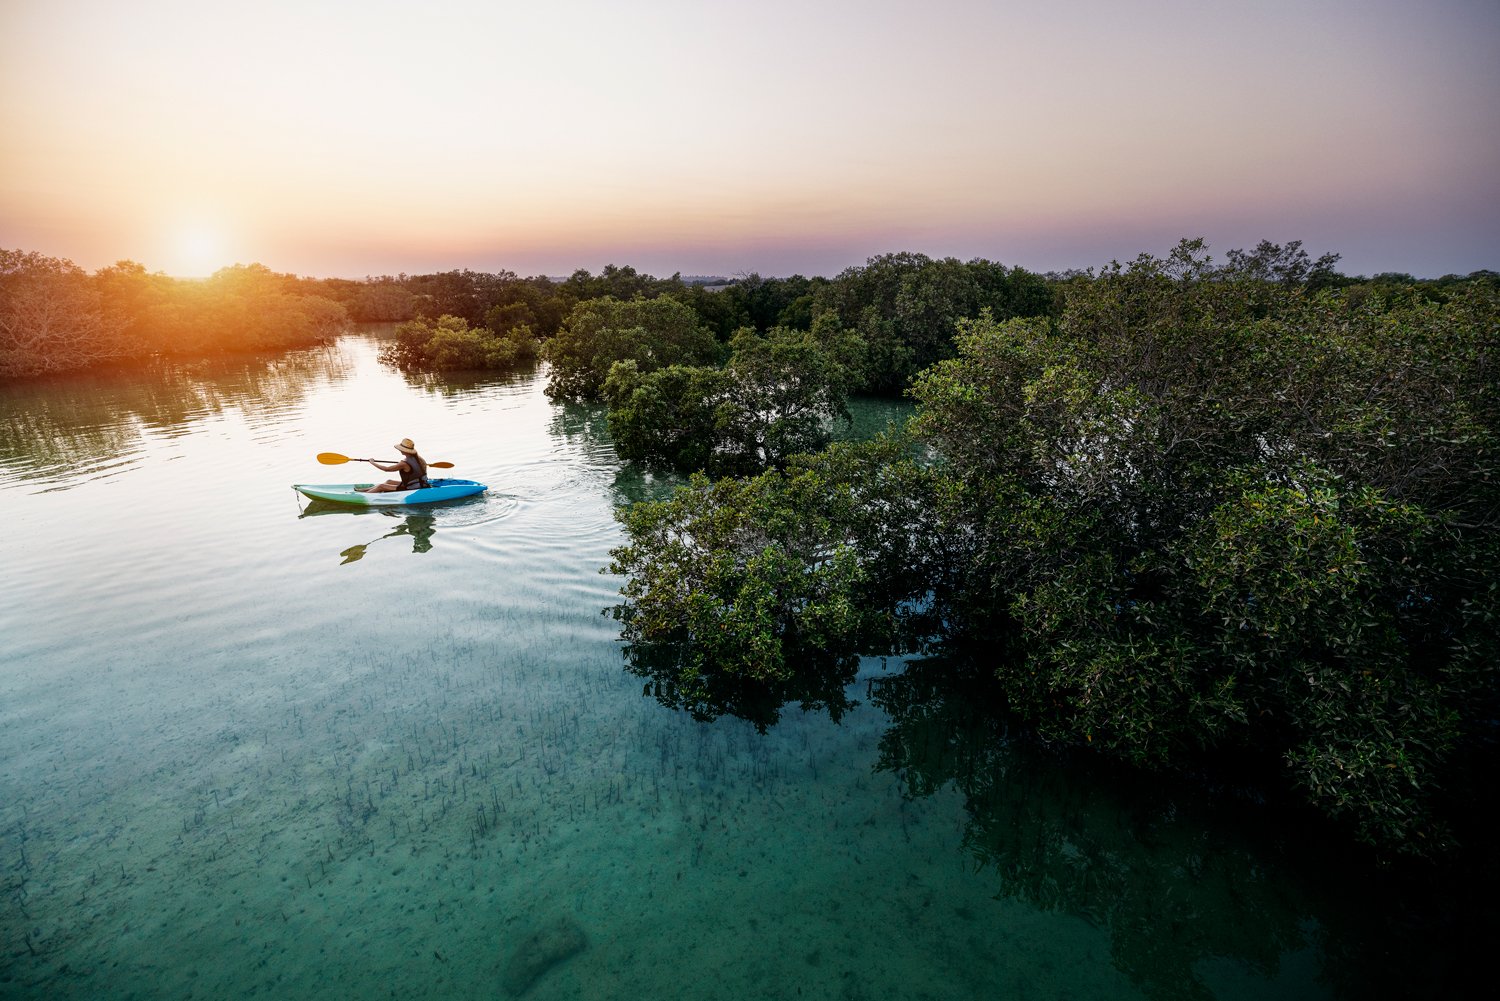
55, 317
777, 395
652, 333
450, 344
51, 317
907, 306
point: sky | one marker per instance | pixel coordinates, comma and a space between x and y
779, 137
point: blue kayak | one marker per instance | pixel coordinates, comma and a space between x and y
345, 493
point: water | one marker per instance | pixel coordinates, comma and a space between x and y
250, 747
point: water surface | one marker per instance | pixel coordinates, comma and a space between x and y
253, 747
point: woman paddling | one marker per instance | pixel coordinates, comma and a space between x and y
413, 470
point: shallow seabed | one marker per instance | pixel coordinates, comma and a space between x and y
251, 748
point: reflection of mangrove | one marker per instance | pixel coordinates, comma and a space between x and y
1180, 879
77, 421
706, 695
586, 426
420, 528
582, 423
1171, 887
458, 384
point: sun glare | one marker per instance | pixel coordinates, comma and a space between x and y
197, 253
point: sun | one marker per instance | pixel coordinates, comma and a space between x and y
197, 252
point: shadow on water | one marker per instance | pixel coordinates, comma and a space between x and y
1206, 888
420, 528
671, 679
1171, 884
1196, 883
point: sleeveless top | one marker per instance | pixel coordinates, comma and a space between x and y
416, 475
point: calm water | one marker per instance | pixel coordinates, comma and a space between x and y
252, 748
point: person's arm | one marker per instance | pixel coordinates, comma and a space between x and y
383, 467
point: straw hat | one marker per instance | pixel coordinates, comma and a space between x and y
405, 445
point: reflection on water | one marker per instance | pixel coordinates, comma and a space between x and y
1198, 889
818, 686
420, 528
230, 766
94, 424
1174, 888
456, 385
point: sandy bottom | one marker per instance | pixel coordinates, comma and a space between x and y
406, 831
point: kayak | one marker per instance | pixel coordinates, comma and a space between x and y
345, 493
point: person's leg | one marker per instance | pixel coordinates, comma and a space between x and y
382, 488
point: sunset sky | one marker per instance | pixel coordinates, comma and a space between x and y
378, 137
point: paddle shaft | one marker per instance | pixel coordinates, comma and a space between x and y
335, 459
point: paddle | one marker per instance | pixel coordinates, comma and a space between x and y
334, 459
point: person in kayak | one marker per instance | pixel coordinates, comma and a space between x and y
413, 470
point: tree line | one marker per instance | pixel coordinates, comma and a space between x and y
55, 317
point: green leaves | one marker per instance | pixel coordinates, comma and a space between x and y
667, 418
1236, 514
778, 395
907, 307
743, 576
653, 333
450, 344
